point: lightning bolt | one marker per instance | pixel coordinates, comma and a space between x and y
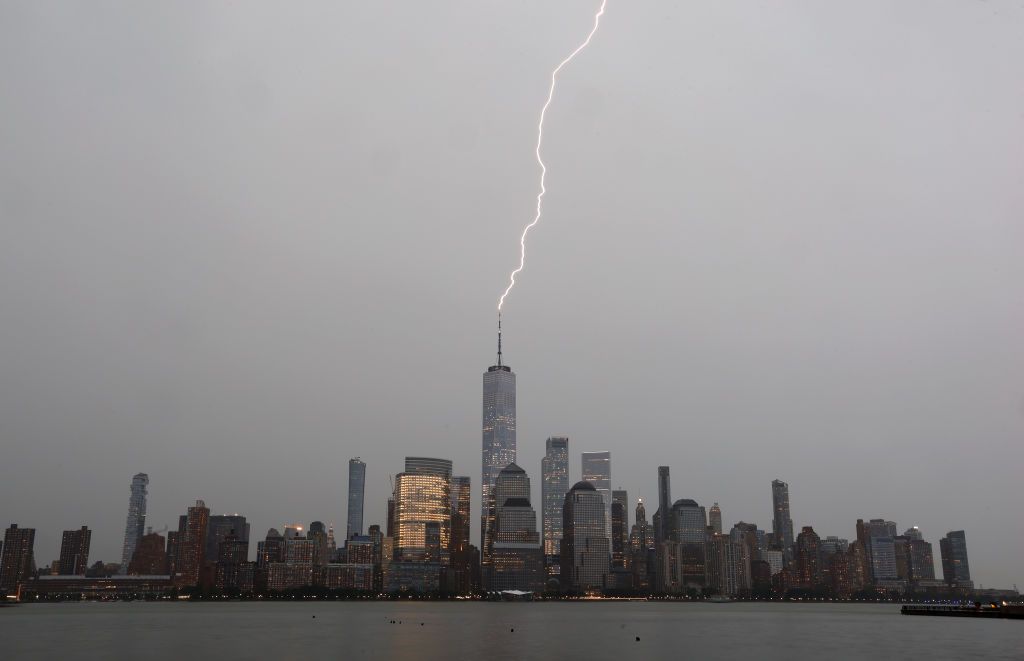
540, 161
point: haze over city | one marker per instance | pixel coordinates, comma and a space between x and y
271, 239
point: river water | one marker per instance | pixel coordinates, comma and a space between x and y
472, 630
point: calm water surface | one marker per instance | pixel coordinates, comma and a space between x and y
453, 631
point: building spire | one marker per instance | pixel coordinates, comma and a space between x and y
499, 338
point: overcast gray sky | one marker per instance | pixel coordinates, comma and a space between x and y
241, 242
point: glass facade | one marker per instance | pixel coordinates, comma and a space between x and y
585, 548
554, 485
422, 499
356, 489
597, 469
135, 525
498, 437
782, 521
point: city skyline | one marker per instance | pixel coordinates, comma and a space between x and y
226, 269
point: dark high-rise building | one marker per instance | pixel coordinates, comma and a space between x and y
499, 433
808, 559
516, 559
461, 492
150, 558
135, 525
664, 503
356, 489
620, 528
74, 551
782, 521
233, 571
16, 558
922, 562
955, 568
585, 548
271, 549
554, 485
217, 530
597, 469
390, 525
192, 544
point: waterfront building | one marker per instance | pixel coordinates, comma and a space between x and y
498, 434
347, 576
922, 562
135, 525
356, 490
688, 523
17, 560
956, 571
728, 565
516, 557
662, 533
883, 559
554, 486
620, 529
715, 518
233, 573
150, 557
642, 550
839, 574
423, 497
270, 550
461, 492
597, 469
219, 527
808, 559
74, 552
317, 534
192, 545
585, 547
782, 520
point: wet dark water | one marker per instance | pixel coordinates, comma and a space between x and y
601, 630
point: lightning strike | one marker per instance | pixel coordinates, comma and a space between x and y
540, 160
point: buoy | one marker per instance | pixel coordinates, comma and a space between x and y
638, 639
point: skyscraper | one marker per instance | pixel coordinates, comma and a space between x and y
192, 544
16, 558
423, 511
499, 432
356, 488
74, 551
554, 485
150, 558
219, 527
955, 568
808, 559
782, 522
620, 528
515, 559
461, 511
715, 518
585, 548
135, 525
661, 531
597, 469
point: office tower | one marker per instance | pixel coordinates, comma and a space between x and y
641, 546
136, 522
808, 559
955, 568
461, 511
585, 547
715, 518
74, 551
597, 469
150, 558
782, 522
219, 527
554, 485
664, 503
16, 558
689, 521
356, 489
499, 432
423, 497
913, 533
516, 560
839, 564
317, 534
883, 558
192, 544
620, 528
922, 562
332, 542
233, 571
271, 549
390, 529
727, 569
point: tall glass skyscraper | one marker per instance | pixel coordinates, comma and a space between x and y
597, 469
554, 485
782, 522
662, 532
955, 568
135, 526
461, 511
499, 434
356, 489
585, 547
